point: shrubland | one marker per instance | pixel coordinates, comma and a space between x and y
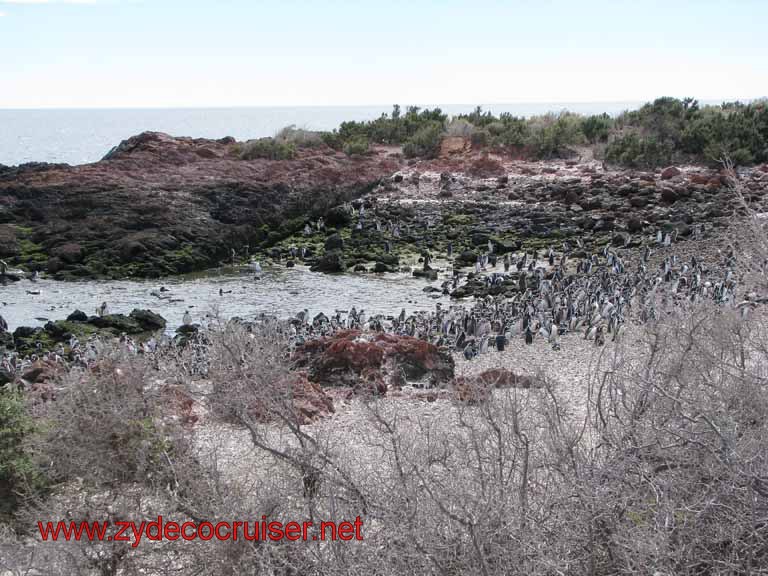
662, 132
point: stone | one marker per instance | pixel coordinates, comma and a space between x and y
148, 320
669, 195
634, 225
366, 361
77, 316
670, 172
330, 262
69, 253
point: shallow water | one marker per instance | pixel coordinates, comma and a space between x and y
279, 291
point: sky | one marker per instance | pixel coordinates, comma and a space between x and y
190, 53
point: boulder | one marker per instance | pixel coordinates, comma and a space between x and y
69, 253
467, 258
670, 172
669, 195
77, 316
40, 372
634, 224
330, 262
366, 361
23, 332
116, 323
148, 320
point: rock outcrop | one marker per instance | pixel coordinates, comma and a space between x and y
158, 205
371, 362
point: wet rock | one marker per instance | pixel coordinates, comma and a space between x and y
330, 262
23, 332
116, 323
77, 316
429, 274
149, 321
467, 258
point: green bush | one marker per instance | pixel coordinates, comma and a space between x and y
549, 135
396, 128
267, 148
333, 140
357, 145
637, 151
19, 477
597, 128
425, 142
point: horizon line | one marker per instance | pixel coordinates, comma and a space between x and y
425, 105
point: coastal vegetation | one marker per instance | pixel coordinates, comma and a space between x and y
660, 133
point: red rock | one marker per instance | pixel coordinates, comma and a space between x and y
485, 167
40, 372
715, 181
670, 172
699, 179
367, 361
453, 145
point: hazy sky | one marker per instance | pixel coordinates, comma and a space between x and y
137, 53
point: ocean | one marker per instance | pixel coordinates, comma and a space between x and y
80, 136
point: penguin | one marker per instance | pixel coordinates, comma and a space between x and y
102, 310
501, 342
528, 335
187, 318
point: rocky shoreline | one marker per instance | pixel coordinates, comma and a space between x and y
159, 206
